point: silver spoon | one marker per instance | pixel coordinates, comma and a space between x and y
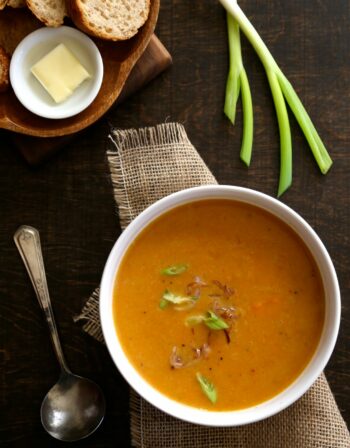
74, 407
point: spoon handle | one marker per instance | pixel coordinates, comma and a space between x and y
27, 240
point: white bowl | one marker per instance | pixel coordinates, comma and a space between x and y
305, 379
32, 94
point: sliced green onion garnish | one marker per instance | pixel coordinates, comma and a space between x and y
175, 269
210, 319
207, 387
169, 297
215, 322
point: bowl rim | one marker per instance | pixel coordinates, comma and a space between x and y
16, 72
306, 378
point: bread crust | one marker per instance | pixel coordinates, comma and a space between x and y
4, 70
76, 13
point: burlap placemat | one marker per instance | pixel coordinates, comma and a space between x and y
146, 165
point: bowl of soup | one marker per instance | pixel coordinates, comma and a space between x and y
220, 305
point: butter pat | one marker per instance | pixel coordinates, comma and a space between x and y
60, 73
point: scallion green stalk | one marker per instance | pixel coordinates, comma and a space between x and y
247, 108
286, 166
282, 91
237, 82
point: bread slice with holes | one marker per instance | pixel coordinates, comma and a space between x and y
50, 12
4, 70
109, 19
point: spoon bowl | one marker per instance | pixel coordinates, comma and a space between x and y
73, 408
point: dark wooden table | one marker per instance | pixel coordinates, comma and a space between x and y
70, 199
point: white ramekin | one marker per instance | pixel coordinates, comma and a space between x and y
305, 379
32, 94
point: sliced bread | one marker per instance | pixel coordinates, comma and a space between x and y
50, 12
16, 3
109, 19
4, 70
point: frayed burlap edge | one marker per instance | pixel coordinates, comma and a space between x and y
90, 314
145, 149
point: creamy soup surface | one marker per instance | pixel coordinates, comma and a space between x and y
218, 305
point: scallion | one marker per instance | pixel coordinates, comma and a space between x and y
175, 269
237, 82
215, 322
282, 92
169, 297
207, 387
210, 319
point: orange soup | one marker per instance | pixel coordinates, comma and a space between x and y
219, 305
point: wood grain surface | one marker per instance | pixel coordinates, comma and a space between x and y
70, 198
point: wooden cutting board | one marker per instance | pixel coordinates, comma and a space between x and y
154, 60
